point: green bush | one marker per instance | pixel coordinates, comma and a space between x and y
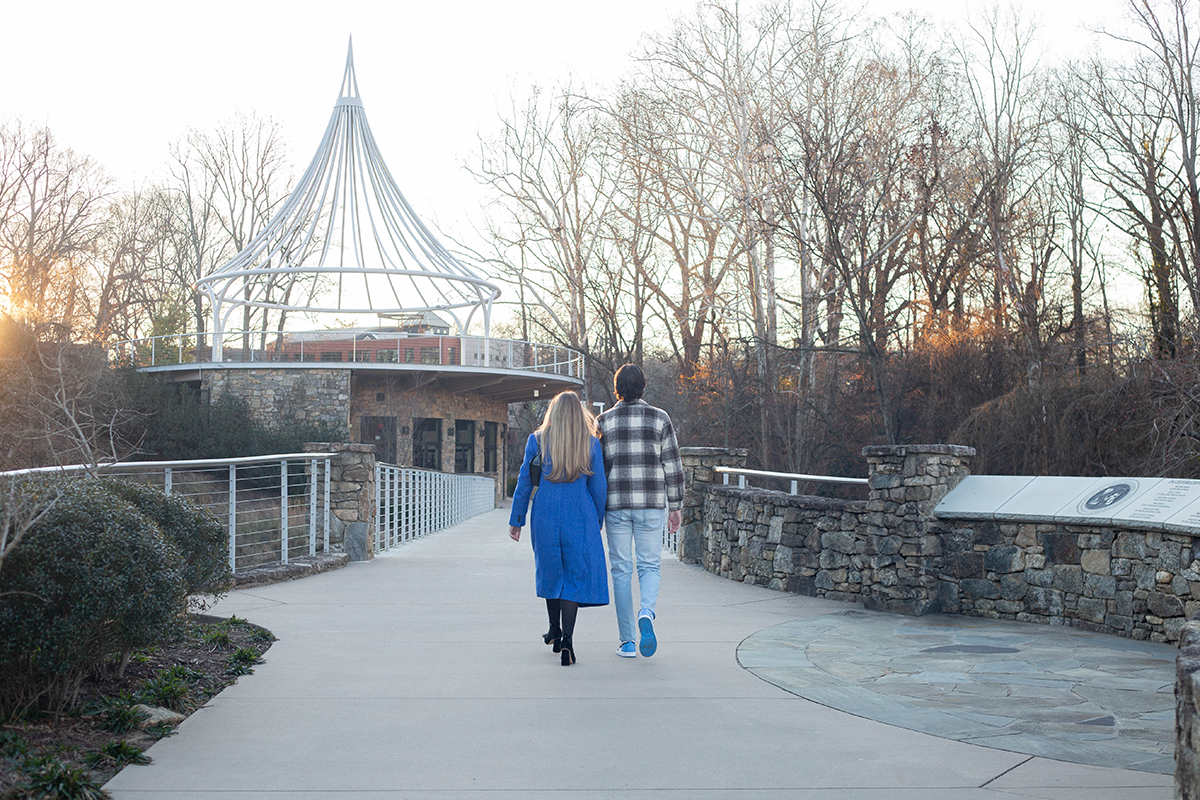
94, 577
51, 778
196, 532
170, 688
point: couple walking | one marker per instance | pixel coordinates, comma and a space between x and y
620, 470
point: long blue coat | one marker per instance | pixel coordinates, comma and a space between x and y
565, 530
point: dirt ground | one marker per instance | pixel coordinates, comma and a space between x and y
204, 647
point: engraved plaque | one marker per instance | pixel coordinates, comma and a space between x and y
1105, 500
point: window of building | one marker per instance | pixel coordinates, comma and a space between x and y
454, 355
385, 356
427, 443
430, 355
408, 355
464, 445
331, 356
491, 440
362, 356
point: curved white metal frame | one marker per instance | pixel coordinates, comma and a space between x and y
347, 218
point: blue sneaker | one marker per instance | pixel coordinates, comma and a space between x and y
627, 650
646, 626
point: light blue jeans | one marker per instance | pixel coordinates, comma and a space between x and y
627, 529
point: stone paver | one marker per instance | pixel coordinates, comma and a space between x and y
1044, 690
422, 675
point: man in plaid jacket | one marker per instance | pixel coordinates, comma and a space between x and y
645, 479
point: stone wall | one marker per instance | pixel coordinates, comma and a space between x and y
351, 498
280, 397
698, 464
882, 551
1187, 713
890, 552
1140, 584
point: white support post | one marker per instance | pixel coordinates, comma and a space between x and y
795, 486
378, 508
741, 481
167, 480
233, 517
312, 507
283, 512
395, 506
327, 471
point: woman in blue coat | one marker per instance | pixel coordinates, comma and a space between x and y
568, 510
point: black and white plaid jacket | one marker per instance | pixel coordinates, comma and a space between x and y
641, 457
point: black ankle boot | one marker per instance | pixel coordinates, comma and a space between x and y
554, 637
568, 651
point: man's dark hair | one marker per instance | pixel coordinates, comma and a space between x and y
629, 382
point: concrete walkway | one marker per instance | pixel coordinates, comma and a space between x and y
422, 675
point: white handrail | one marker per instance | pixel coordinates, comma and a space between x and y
197, 463
794, 477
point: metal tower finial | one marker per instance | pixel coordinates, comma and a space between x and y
349, 80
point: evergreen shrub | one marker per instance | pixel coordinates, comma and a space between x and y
95, 577
196, 533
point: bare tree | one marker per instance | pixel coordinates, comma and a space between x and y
225, 186
552, 181
52, 204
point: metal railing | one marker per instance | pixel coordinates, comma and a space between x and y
794, 477
275, 507
412, 502
670, 540
350, 347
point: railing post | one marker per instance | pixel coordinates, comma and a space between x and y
312, 507
167, 480
741, 481
283, 511
327, 471
395, 505
233, 517
378, 507
795, 486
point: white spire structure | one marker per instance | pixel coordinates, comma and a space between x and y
346, 241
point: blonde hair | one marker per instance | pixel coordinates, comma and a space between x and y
566, 436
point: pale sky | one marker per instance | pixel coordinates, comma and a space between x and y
119, 80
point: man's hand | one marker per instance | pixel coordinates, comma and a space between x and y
674, 520
514, 533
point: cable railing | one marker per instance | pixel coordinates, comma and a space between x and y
350, 347
795, 478
411, 502
276, 507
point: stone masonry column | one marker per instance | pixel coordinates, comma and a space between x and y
698, 464
902, 541
351, 497
1187, 712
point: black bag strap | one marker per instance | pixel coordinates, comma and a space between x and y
535, 465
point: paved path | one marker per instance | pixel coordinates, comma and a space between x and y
421, 675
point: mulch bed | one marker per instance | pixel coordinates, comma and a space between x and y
202, 648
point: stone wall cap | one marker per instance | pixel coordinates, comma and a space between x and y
902, 450
339, 447
713, 451
808, 501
